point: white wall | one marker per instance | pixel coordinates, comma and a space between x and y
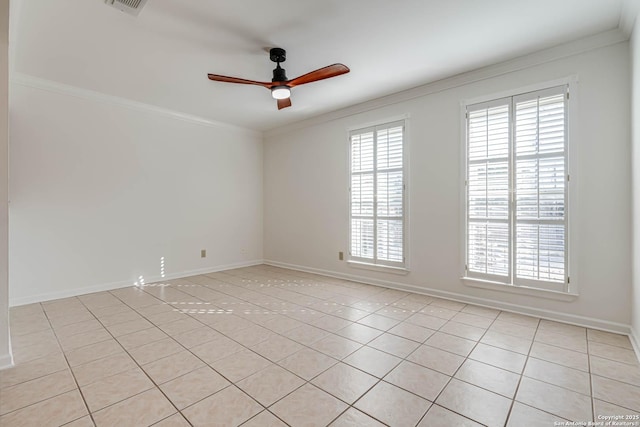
306, 190
5, 353
100, 192
635, 143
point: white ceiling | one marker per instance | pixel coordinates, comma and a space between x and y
162, 57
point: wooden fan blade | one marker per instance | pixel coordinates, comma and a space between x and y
284, 103
219, 78
321, 74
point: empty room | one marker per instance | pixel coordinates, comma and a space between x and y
273, 213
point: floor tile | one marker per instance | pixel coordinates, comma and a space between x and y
507, 342
140, 410
140, 338
429, 322
395, 345
180, 326
561, 356
512, 329
450, 343
85, 421
102, 368
616, 392
218, 348
277, 348
417, 379
58, 410
354, 418
372, 361
93, 352
439, 360
473, 320
32, 370
129, 327
440, 312
615, 370
264, 419
609, 338
229, 407
270, 384
170, 367
412, 332
481, 311
476, 403
331, 323
196, 337
345, 382
84, 339
115, 388
489, 377
156, 350
463, 331
437, 416
378, 321
190, 388
34, 391
308, 406
570, 342
307, 363
499, 358
240, 365
176, 420
605, 408
392, 405
562, 328
306, 334
555, 400
611, 352
519, 319
523, 415
359, 333
335, 346
559, 375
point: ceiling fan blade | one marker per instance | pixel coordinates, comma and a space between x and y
321, 74
219, 78
284, 103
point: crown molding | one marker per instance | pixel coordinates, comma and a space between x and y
27, 80
565, 50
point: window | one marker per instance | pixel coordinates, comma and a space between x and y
516, 190
377, 208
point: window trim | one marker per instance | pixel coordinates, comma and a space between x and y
571, 289
364, 263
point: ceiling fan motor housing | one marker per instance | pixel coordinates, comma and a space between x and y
278, 55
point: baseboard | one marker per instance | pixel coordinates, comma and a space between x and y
634, 337
13, 302
6, 361
573, 319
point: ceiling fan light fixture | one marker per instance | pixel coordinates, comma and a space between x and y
280, 92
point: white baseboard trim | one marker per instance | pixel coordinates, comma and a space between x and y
634, 337
573, 319
6, 361
67, 293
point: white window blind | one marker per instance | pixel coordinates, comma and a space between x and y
516, 190
377, 195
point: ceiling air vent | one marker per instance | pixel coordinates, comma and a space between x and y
132, 7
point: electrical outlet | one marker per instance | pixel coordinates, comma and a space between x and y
203, 253
341, 256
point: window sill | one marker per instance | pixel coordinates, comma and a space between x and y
377, 267
522, 290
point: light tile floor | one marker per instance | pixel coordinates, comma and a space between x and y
264, 346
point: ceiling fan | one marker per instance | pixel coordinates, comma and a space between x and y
280, 86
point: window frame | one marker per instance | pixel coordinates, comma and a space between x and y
568, 289
368, 263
